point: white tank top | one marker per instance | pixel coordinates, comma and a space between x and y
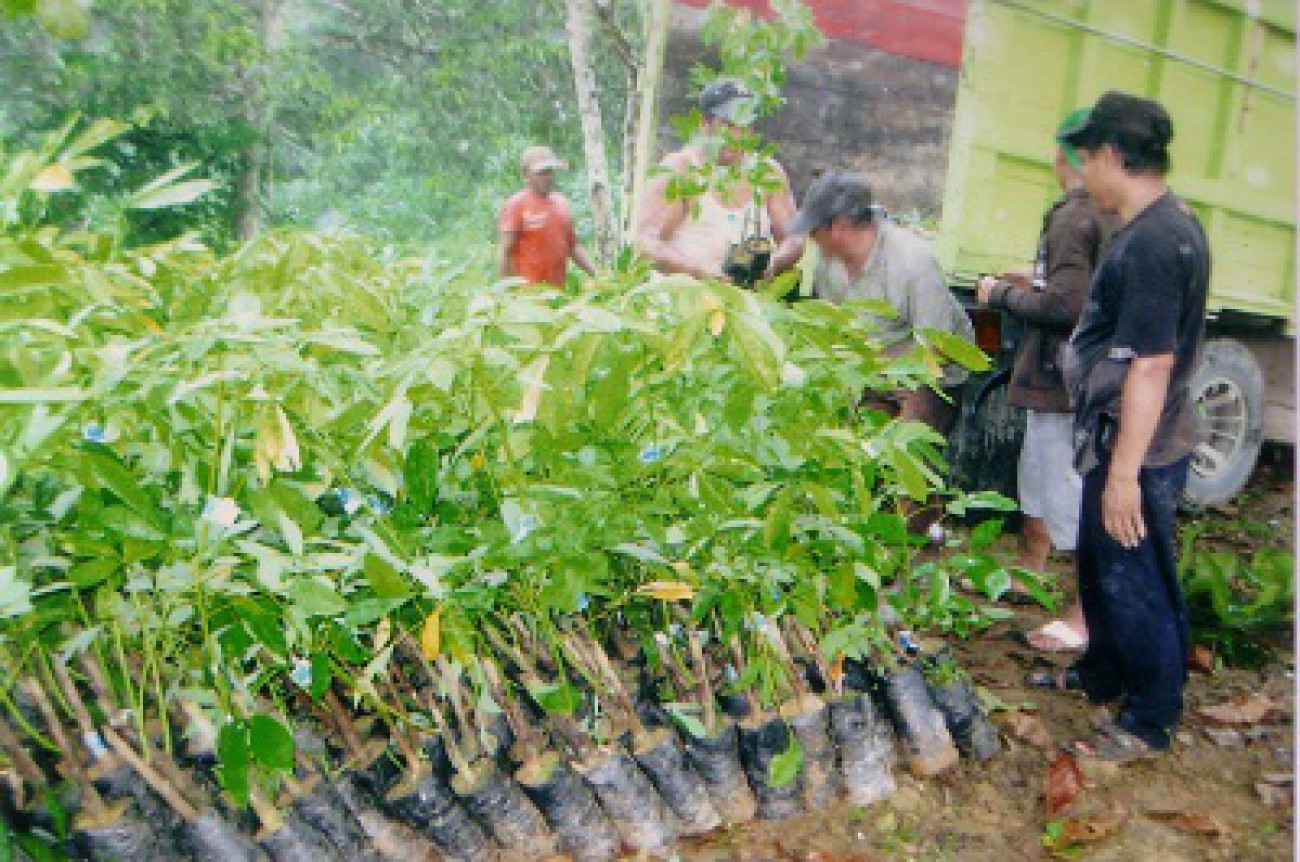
703, 237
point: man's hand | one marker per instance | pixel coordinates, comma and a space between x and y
984, 289
1121, 510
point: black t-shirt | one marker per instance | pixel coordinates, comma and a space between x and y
1147, 299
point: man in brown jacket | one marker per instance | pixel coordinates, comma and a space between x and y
1048, 302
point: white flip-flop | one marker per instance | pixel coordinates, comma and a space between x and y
1068, 639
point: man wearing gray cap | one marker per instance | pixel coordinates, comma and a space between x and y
692, 235
864, 256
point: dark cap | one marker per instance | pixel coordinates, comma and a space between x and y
728, 99
1131, 123
834, 195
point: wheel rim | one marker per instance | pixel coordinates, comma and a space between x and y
1224, 415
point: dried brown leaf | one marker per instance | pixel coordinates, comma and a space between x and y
1273, 794
1192, 821
1251, 710
1084, 830
1202, 660
1064, 781
1027, 727
1090, 830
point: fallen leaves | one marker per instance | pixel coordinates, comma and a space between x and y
1064, 781
1089, 830
1250, 710
1224, 737
1028, 727
1275, 788
1192, 821
1202, 660
1062, 837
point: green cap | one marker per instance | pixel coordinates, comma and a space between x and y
1073, 122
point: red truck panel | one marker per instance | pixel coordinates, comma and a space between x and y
928, 30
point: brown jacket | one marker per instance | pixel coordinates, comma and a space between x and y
1069, 249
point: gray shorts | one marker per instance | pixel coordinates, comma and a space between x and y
1049, 487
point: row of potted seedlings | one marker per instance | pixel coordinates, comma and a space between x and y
567, 743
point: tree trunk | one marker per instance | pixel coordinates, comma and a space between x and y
593, 133
631, 111
259, 114
647, 97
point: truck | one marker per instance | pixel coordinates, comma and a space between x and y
949, 107
1225, 70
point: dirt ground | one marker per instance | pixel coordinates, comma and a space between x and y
1203, 801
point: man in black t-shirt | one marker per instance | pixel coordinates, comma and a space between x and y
1129, 366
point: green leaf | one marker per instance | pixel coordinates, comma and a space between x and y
561, 699
985, 534
315, 599
33, 275
759, 349
63, 19
233, 760
908, 472
776, 529
421, 475
43, 395
386, 581
14, 8
15, 593
956, 348
322, 674
842, 587
124, 484
689, 723
889, 529
91, 572
99, 132
270, 743
561, 591
806, 604
130, 524
786, 766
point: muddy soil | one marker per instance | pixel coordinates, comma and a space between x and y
1199, 802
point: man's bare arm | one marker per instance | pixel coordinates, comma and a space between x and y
780, 210
659, 221
579, 255
1141, 401
505, 262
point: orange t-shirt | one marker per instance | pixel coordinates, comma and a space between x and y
544, 235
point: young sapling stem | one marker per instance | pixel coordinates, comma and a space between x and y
525, 734
738, 657
156, 781
69, 754
773, 633
27, 769
455, 692
343, 720
803, 635
704, 687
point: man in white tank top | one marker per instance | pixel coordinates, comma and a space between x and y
691, 234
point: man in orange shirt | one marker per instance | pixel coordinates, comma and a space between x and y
536, 225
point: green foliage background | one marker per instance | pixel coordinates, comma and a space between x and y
402, 119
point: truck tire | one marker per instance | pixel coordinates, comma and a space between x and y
1228, 391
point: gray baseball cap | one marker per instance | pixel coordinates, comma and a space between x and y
833, 195
728, 99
